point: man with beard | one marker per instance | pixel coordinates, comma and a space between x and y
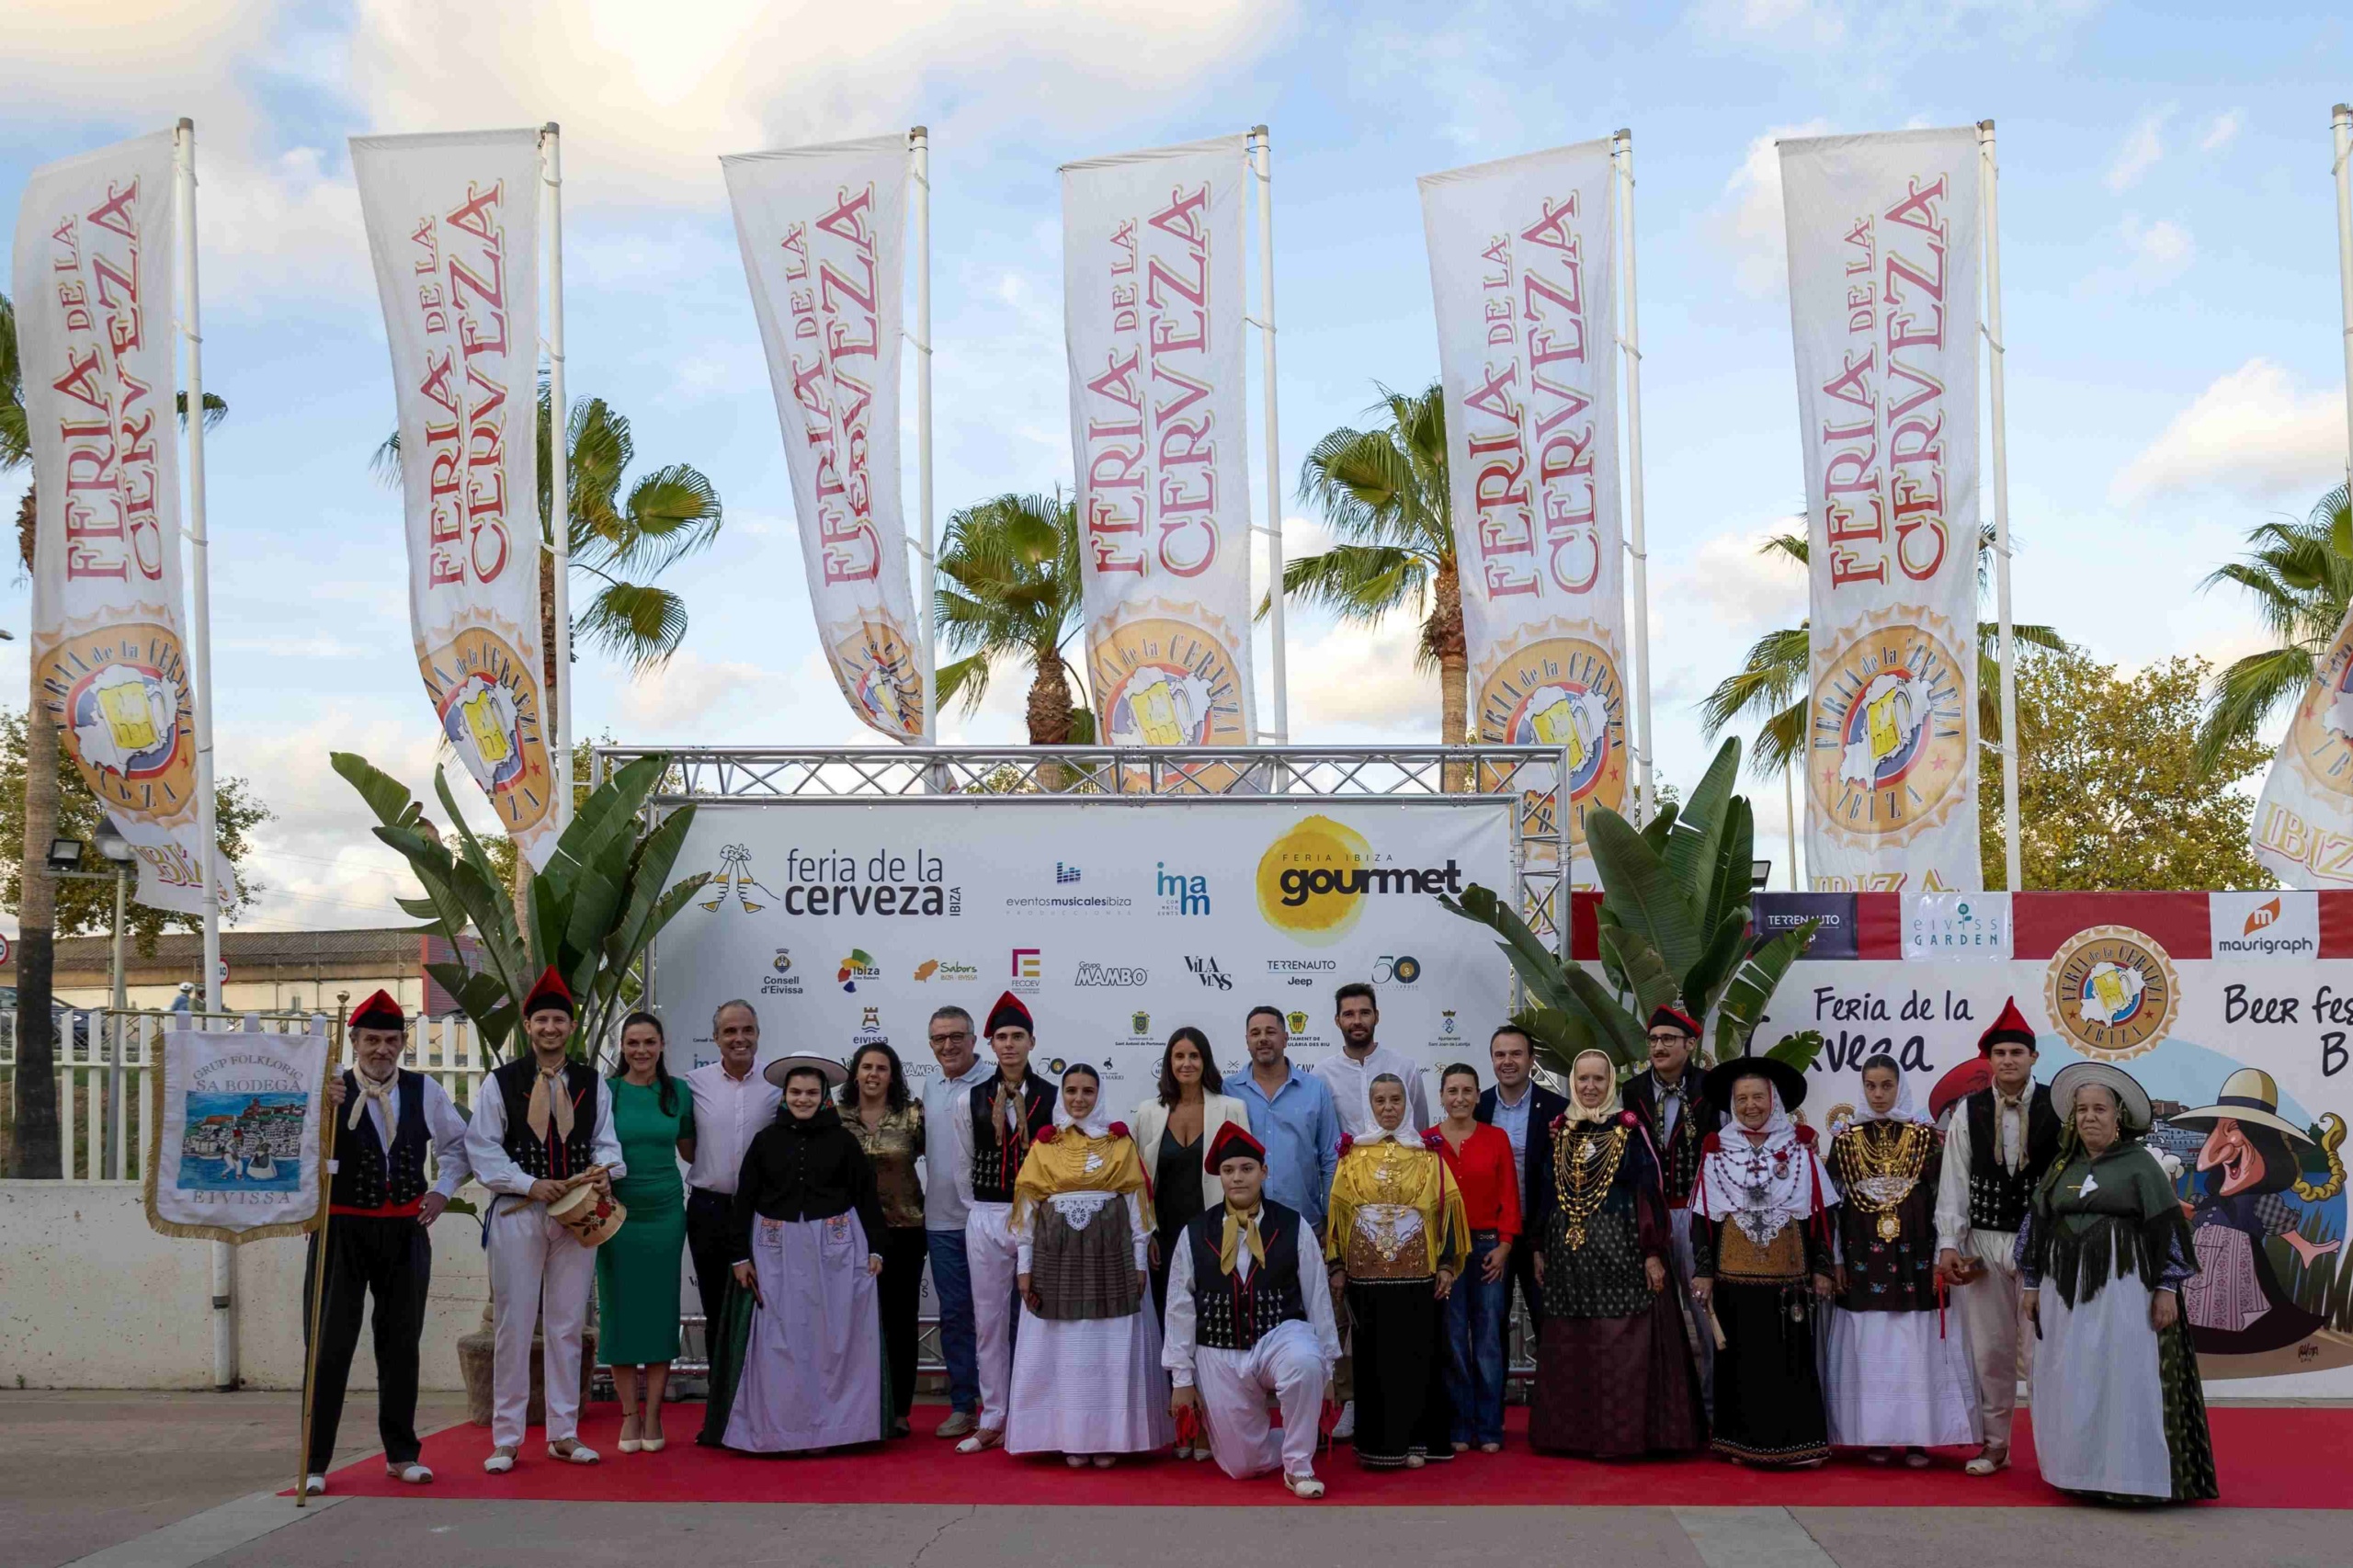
1524, 1109
1675, 1110
1351, 1074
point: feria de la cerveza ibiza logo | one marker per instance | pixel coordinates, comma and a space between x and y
1314, 878
887, 882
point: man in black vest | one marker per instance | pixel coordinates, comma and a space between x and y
1249, 1315
381, 1207
544, 1125
1674, 1106
1004, 1112
1524, 1108
1999, 1143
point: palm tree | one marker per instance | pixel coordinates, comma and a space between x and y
1771, 684
1385, 492
1012, 592
2300, 576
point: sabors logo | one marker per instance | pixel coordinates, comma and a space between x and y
1103, 976
945, 971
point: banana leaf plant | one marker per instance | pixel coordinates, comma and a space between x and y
593, 909
1674, 928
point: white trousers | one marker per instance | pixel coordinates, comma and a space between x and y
537, 1270
993, 1257
1233, 1386
1992, 1308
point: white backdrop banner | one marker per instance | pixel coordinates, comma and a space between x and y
95, 316
235, 1155
1152, 307
1114, 921
1523, 257
453, 226
822, 231
1884, 248
2303, 821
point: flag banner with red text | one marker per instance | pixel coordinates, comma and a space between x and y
1152, 310
2303, 830
1523, 256
453, 226
1884, 304
95, 314
823, 235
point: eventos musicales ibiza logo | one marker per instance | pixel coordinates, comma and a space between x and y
1312, 880
909, 885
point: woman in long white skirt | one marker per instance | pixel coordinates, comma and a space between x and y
1897, 1375
1087, 1376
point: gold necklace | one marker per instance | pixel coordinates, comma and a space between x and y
1884, 1172
1582, 1184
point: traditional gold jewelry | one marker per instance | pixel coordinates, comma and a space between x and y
1582, 1184
1882, 1172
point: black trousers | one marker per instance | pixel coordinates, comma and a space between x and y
904, 1249
393, 1259
712, 1245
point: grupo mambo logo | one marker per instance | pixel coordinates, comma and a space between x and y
1100, 975
1207, 971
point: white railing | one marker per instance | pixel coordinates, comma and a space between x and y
103, 1057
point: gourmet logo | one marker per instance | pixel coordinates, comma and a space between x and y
883, 883
1312, 881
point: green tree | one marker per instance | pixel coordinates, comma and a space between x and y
2113, 793
1384, 492
1011, 590
2301, 578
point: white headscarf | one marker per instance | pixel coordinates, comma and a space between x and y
1097, 1124
1611, 1104
1762, 1187
1405, 1133
1902, 1110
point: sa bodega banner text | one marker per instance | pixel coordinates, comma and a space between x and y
233, 1154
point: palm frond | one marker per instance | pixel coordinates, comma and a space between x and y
2247, 693
636, 622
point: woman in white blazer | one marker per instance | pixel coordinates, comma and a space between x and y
1172, 1128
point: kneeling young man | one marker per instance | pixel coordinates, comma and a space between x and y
1249, 1314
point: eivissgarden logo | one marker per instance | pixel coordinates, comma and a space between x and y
1312, 881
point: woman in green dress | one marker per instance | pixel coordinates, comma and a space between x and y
637, 1270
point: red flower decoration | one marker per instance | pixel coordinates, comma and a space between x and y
1046, 1134
1119, 1130
1806, 1134
1347, 1142
1432, 1140
1627, 1118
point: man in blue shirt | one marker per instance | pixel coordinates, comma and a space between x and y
1525, 1109
1291, 1113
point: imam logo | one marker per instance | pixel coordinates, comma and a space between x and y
1180, 894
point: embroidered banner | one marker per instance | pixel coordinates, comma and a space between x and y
1884, 304
1523, 256
822, 231
232, 1153
94, 321
453, 226
1152, 307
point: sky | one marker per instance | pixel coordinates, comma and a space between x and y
2169, 262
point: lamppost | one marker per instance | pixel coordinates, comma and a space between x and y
66, 862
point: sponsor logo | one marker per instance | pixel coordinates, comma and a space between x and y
1066, 874
2262, 915
870, 1028
781, 980
1105, 977
487, 699
1447, 1028
1295, 1021
1139, 1022
2112, 992
1029, 970
1302, 971
121, 695
1562, 692
946, 971
1179, 894
902, 886
1207, 971
733, 879
1888, 755
1055, 1066
1403, 971
1312, 881
859, 965
2258, 926
882, 676
1165, 682
783, 964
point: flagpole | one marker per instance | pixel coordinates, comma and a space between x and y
224, 1257
558, 472
1261, 156
1630, 343
1988, 181
2341, 123
919, 178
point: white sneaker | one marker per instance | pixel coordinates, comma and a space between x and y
1303, 1486
579, 1453
314, 1485
1345, 1428
500, 1462
413, 1474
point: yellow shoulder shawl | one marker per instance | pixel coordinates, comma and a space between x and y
1072, 1162
1407, 1174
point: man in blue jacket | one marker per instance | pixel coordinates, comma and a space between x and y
1524, 1109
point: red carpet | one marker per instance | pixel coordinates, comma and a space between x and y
2278, 1457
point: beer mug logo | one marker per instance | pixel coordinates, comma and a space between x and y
1881, 731
1561, 692
484, 727
1154, 704
484, 721
878, 672
124, 719
1160, 706
2112, 992
1888, 753
2320, 737
1160, 681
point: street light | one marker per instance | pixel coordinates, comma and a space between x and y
117, 848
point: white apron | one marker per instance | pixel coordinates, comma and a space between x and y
2100, 1407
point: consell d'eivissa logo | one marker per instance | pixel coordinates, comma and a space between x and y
1312, 880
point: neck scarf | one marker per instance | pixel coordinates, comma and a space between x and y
1242, 1230
1611, 1104
1763, 1187
550, 1096
369, 1090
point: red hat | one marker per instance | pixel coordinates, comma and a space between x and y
1674, 1017
1009, 1011
1233, 1142
379, 1012
1960, 1084
2011, 1026
548, 991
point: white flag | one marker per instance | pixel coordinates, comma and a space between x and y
1523, 270
2303, 821
95, 314
823, 236
1883, 302
1152, 310
453, 224
232, 1153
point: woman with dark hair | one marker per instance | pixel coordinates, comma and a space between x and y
889, 1126
1173, 1129
637, 1270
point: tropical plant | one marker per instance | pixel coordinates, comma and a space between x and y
1011, 591
1385, 492
1673, 929
593, 908
1772, 684
2301, 576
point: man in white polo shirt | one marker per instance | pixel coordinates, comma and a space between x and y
946, 1200
733, 1102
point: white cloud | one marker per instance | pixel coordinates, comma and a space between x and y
1749, 213
1877, 36
1731, 573
2143, 146
2221, 130
2147, 256
688, 689
2254, 432
1363, 681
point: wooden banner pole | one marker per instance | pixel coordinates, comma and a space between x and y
319, 1257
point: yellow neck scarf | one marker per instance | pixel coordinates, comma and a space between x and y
1242, 1230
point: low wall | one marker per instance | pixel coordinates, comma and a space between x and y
91, 1298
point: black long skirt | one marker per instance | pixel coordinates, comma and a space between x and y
1617, 1388
1401, 1403
1769, 1385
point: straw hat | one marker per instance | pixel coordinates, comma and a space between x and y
835, 1074
2131, 1099
2249, 1097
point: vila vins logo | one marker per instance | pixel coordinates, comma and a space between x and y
1207, 971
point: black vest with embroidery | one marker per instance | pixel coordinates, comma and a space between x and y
366, 1175
1231, 1313
1997, 1198
554, 1157
1678, 1152
996, 1159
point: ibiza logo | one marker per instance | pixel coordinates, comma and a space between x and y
1207, 971
2112, 992
1888, 750
859, 965
1564, 692
733, 879
488, 701
1178, 892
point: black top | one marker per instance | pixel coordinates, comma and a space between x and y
996, 1158
1232, 1313
1678, 1155
806, 1170
367, 1174
554, 1157
1175, 1190
1999, 1198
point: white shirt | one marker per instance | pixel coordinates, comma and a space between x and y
947, 1147
1177, 1350
729, 1113
1350, 1082
443, 1124
496, 1169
